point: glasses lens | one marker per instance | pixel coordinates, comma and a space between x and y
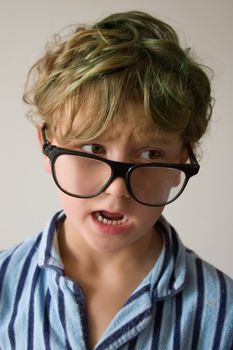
81, 176
156, 186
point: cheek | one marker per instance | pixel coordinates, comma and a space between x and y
75, 208
149, 215
176, 180
68, 203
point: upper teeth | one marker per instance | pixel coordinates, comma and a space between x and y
100, 218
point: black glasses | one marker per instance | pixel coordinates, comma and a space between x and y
85, 175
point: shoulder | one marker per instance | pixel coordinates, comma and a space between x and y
19, 250
203, 295
214, 284
24, 260
18, 270
17, 259
30, 249
196, 271
205, 272
188, 269
211, 291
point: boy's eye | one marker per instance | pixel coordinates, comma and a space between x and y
151, 154
92, 148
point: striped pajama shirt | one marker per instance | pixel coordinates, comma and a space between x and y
183, 303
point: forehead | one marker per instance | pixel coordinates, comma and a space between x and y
147, 135
134, 124
131, 123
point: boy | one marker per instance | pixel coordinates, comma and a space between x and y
122, 108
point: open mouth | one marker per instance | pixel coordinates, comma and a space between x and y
112, 219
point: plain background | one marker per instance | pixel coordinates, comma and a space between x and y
203, 215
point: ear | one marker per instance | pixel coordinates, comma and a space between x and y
39, 136
184, 155
47, 165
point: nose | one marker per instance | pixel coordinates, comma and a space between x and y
118, 188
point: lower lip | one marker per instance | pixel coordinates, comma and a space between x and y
109, 229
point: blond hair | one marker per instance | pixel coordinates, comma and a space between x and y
126, 58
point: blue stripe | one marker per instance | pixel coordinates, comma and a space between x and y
177, 331
62, 315
167, 244
138, 294
200, 303
189, 251
83, 314
175, 247
124, 330
3, 270
221, 312
166, 258
157, 325
133, 344
31, 310
46, 324
19, 291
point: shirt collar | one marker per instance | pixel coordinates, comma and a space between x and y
169, 273
49, 255
166, 278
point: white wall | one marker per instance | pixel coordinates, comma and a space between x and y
204, 214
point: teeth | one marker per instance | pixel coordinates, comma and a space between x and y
105, 221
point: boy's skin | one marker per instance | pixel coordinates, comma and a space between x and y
92, 251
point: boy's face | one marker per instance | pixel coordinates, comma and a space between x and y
114, 220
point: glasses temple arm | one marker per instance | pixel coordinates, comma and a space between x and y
43, 134
192, 157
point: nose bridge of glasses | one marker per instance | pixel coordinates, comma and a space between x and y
120, 170
118, 184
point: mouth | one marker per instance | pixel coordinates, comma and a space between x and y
111, 219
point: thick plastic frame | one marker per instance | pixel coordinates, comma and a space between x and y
118, 169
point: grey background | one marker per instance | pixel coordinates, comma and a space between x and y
203, 215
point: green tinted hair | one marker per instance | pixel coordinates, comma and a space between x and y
124, 59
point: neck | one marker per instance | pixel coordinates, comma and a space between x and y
139, 256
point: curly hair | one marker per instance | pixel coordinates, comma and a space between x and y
125, 58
